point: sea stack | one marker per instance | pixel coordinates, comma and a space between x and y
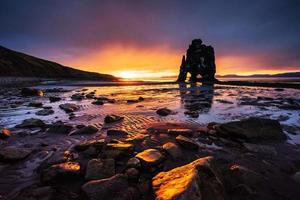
199, 60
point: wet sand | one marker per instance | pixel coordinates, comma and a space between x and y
192, 107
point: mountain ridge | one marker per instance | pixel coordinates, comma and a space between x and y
18, 64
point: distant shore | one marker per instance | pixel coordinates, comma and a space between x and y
32, 81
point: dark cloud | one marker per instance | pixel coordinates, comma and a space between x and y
48, 28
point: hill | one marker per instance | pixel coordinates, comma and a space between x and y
16, 64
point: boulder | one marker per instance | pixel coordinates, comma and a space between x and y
163, 111
112, 118
45, 112
69, 107
31, 123
110, 188
150, 157
197, 180
60, 127
12, 154
252, 128
173, 150
86, 130
99, 169
31, 92
62, 171
54, 99
186, 142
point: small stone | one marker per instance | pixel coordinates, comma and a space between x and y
115, 150
31, 92
45, 112
60, 127
69, 107
31, 123
35, 104
133, 163
98, 102
54, 99
173, 150
66, 171
86, 130
141, 99
112, 118
77, 97
110, 188
116, 133
5, 133
97, 144
163, 111
180, 131
187, 143
150, 157
99, 169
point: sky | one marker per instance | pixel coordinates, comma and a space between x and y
147, 38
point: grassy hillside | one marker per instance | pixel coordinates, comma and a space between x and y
18, 64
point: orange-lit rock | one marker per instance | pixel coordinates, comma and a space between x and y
5, 133
196, 180
172, 149
150, 157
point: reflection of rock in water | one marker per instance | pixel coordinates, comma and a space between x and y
196, 99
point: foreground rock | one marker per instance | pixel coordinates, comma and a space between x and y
99, 169
173, 150
252, 128
12, 154
163, 111
60, 127
110, 188
66, 171
196, 180
31, 123
186, 142
150, 157
69, 107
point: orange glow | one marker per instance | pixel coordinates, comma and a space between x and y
131, 62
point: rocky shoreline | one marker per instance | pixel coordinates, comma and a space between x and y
165, 159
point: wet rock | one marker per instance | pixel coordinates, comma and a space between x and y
98, 102
141, 98
115, 150
252, 128
262, 149
60, 128
31, 123
62, 171
45, 112
173, 150
196, 180
86, 130
35, 104
77, 97
90, 95
99, 169
150, 157
187, 143
112, 118
69, 107
97, 144
110, 188
133, 163
54, 99
12, 154
180, 131
132, 174
5, 133
31, 92
163, 111
132, 101
116, 133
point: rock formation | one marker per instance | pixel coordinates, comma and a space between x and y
199, 60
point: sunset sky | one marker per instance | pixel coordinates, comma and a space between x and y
146, 38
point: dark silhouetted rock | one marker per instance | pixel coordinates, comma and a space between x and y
54, 99
31, 123
45, 112
186, 142
12, 154
60, 127
86, 130
116, 133
163, 111
31, 92
112, 118
199, 60
69, 107
99, 169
